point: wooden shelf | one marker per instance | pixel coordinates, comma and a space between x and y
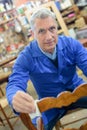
69, 20
4, 77
10, 15
6, 21
70, 15
7, 61
7, 11
66, 13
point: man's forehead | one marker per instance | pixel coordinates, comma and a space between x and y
44, 25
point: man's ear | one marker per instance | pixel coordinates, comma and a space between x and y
32, 34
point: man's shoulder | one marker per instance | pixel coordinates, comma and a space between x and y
65, 41
29, 48
25, 56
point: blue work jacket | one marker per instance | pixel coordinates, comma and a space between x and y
48, 79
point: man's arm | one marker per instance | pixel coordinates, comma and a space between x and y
17, 97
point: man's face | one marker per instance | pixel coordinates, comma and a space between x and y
45, 32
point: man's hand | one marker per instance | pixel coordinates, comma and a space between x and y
23, 102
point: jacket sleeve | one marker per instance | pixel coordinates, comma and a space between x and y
80, 54
19, 77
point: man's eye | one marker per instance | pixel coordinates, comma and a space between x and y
52, 28
41, 31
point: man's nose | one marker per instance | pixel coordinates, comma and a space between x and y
48, 35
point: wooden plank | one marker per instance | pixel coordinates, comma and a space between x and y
73, 117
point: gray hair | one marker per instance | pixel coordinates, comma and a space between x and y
41, 13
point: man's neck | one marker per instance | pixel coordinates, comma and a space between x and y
50, 55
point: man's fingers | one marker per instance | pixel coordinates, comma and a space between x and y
23, 102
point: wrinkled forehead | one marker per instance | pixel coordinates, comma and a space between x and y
44, 22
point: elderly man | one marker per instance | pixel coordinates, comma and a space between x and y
50, 62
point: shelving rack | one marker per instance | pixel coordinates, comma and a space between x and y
11, 14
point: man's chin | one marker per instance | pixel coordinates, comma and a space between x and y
50, 50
